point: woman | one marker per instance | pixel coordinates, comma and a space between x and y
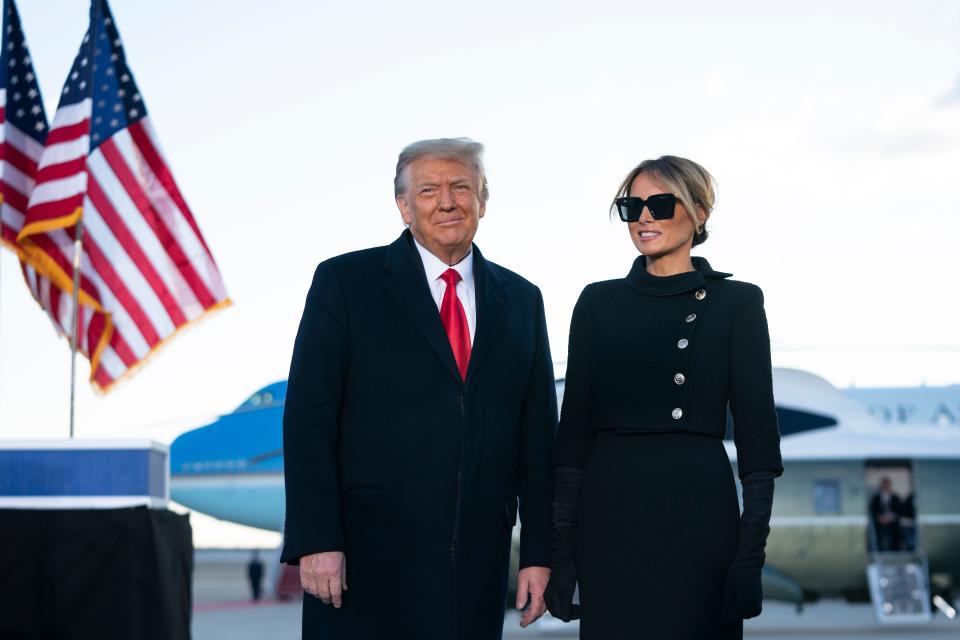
645, 506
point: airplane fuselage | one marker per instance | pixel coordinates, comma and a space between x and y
233, 470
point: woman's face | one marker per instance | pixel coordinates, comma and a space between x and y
657, 238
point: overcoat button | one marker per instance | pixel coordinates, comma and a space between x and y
682, 344
691, 317
677, 413
679, 378
700, 294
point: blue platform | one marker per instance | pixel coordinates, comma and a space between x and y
37, 474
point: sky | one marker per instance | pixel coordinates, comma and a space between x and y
832, 129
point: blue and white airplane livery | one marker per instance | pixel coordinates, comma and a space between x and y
232, 469
836, 446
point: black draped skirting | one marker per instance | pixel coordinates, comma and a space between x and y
658, 529
108, 574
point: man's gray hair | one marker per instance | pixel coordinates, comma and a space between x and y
462, 150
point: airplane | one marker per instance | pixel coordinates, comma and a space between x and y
834, 454
232, 469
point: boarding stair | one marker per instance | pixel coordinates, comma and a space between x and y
899, 583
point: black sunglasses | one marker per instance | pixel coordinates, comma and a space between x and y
661, 206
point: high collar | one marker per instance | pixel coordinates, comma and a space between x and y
645, 282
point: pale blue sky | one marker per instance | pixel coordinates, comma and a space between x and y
833, 130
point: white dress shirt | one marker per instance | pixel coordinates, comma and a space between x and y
434, 267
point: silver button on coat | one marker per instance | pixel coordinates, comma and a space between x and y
677, 413
682, 344
700, 294
691, 317
679, 378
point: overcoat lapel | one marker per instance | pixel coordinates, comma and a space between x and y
408, 286
492, 299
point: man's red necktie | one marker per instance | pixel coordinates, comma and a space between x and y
455, 321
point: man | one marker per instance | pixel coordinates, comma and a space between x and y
907, 519
420, 407
255, 575
884, 510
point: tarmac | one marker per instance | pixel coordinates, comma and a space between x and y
223, 609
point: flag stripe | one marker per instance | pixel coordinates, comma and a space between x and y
56, 209
145, 140
69, 133
94, 324
132, 247
20, 141
58, 245
65, 151
110, 368
57, 191
71, 114
157, 222
123, 351
104, 270
62, 171
11, 220
60, 308
17, 180
130, 272
18, 159
129, 216
15, 199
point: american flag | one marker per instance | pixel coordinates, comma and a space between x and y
24, 127
23, 131
145, 270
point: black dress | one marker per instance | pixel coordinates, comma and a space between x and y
652, 366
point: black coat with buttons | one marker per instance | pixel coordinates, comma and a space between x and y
653, 364
670, 353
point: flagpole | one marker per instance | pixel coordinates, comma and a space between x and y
75, 330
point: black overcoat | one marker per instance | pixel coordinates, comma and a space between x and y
390, 457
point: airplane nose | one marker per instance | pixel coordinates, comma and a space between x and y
232, 468
248, 439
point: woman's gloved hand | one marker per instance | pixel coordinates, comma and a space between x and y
559, 594
743, 591
742, 594
563, 544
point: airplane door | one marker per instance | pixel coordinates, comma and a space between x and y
891, 515
897, 572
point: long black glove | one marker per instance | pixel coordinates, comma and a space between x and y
743, 593
563, 544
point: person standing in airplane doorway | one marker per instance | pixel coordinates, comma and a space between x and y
421, 406
645, 514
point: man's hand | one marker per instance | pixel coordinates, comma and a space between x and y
324, 575
531, 584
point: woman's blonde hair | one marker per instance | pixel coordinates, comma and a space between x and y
692, 184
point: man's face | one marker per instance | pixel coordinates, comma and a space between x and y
442, 206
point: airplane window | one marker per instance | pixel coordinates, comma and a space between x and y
267, 397
826, 496
256, 400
